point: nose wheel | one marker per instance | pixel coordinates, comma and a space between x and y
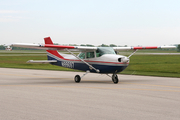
115, 78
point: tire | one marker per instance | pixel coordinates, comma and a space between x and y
77, 78
115, 79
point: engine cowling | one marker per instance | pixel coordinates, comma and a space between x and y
123, 60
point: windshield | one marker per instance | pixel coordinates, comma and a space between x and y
104, 50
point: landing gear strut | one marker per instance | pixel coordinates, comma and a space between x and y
115, 78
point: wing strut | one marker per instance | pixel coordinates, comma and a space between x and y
132, 53
91, 67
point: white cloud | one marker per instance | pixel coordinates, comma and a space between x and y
8, 11
10, 15
9, 19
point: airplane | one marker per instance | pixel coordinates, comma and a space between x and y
102, 60
8, 47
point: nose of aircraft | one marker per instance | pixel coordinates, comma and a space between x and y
123, 59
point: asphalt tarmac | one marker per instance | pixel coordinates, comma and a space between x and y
43, 95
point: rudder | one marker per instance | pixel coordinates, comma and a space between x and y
51, 53
48, 40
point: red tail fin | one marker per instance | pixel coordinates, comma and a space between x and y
48, 40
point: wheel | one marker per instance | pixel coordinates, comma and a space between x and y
115, 78
77, 78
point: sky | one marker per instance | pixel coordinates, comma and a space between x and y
120, 22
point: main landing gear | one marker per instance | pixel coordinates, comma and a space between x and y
77, 78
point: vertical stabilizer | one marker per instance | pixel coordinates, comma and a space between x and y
48, 40
51, 54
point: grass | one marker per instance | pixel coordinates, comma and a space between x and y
20, 62
152, 65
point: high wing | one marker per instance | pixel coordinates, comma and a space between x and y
138, 48
50, 46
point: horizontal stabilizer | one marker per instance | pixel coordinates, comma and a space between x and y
41, 61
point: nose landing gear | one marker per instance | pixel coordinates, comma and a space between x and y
115, 78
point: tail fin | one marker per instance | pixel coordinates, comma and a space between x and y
51, 53
48, 40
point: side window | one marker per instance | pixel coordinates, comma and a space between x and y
98, 53
90, 55
82, 55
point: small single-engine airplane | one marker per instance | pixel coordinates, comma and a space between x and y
8, 48
102, 60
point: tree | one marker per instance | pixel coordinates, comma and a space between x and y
73, 45
82, 45
2, 47
89, 45
103, 45
178, 48
112, 45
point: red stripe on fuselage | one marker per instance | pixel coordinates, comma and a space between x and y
106, 62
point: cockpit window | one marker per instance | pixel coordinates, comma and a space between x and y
85, 55
104, 50
90, 55
99, 52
